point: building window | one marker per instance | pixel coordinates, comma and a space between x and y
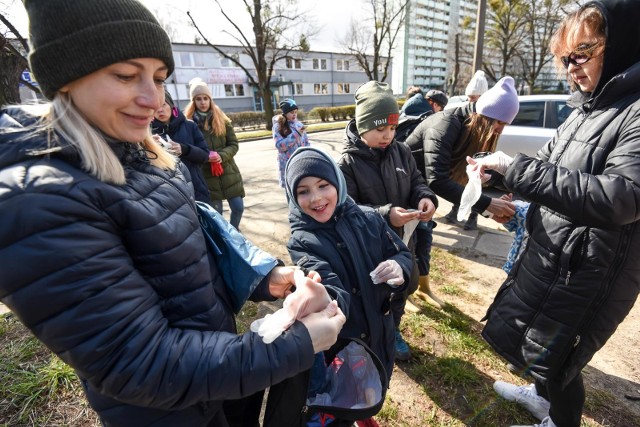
294, 63
321, 88
234, 90
185, 59
344, 88
342, 65
227, 63
319, 64
298, 89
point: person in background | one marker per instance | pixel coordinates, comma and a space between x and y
182, 138
125, 291
382, 174
346, 244
289, 134
221, 173
437, 100
416, 104
477, 86
450, 136
577, 277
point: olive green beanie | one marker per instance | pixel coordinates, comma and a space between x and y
375, 106
70, 39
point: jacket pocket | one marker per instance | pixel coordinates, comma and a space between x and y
572, 253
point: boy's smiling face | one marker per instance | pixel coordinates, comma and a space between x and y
317, 197
380, 137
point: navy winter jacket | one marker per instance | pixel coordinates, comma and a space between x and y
116, 280
344, 250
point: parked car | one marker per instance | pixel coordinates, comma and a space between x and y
536, 123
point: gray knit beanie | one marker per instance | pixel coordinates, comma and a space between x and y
375, 106
70, 39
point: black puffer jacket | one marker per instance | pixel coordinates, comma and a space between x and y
578, 276
116, 281
432, 144
382, 178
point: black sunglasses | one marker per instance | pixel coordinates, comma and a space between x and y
580, 57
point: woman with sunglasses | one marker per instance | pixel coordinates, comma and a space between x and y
577, 278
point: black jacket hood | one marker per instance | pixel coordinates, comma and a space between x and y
623, 37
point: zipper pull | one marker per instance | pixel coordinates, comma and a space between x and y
575, 344
566, 280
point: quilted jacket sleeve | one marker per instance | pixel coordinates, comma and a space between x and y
74, 285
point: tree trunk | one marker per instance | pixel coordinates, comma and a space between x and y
267, 100
11, 69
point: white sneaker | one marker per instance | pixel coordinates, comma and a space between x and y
527, 397
545, 423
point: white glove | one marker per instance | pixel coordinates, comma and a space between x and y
497, 161
388, 271
309, 297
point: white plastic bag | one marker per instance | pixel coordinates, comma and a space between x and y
471, 194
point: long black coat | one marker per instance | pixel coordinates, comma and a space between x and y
116, 280
578, 276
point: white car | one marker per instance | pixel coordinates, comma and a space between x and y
536, 123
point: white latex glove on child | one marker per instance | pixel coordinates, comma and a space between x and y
309, 297
388, 271
497, 161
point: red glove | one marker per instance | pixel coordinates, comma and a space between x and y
216, 169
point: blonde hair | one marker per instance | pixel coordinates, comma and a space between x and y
96, 156
477, 136
215, 124
564, 40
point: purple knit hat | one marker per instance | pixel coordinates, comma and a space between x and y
500, 102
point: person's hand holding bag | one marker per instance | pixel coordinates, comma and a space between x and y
497, 161
309, 297
389, 272
324, 326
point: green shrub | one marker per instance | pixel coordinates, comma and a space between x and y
247, 119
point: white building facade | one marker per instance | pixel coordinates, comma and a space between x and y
311, 78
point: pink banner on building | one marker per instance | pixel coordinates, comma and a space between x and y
223, 76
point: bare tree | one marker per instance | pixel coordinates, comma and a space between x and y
372, 39
505, 35
276, 33
543, 18
13, 61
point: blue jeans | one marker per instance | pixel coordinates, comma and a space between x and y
236, 204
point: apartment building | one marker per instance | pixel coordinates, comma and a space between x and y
311, 78
426, 49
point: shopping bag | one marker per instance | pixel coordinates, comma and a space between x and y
241, 264
354, 387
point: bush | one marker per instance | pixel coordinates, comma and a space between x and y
247, 119
321, 112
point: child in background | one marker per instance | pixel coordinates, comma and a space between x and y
288, 134
360, 259
382, 173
